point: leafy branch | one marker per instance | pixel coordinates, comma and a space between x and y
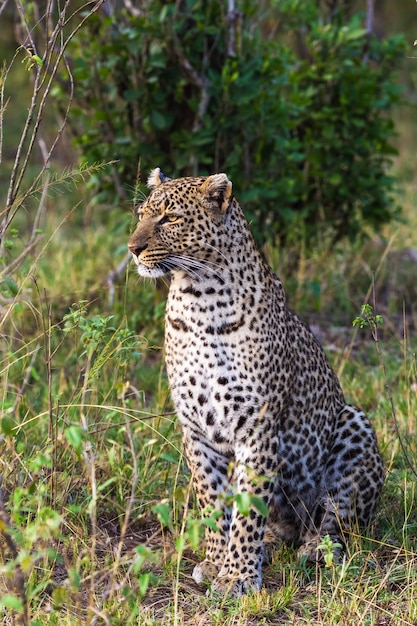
369, 320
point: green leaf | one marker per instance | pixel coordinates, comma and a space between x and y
180, 544
169, 457
8, 425
163, 513
194, 533
160, 121
210, 522
75, 436
144, 553
11, 285
144, 580
106, 483
59, 597
11, 602
75, 579
37, 59
355, 33
260, 505
243, 503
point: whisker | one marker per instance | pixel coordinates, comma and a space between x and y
208, 245
191, 270
204, 265
165, 281
174, 262
190, 266
146, 279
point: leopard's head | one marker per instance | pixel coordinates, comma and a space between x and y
180, 224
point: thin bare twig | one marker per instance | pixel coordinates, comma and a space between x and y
202, 82
45, 74
132, 9
114, 275
22, 256
191, 72
28, 374
3, 4
370, 17
49, 76
234, 22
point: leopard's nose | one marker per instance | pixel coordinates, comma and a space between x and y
136, 249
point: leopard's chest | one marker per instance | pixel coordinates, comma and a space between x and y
215, 354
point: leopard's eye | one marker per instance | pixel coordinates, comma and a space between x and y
168, 219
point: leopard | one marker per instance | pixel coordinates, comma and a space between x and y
272, 446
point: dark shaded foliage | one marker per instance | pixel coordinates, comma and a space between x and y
294, 107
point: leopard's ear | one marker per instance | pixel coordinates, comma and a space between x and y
218, 189
156, 178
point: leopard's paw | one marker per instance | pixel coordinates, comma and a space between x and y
235, 587
205, 572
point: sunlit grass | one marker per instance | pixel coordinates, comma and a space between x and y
128, 436
96, 485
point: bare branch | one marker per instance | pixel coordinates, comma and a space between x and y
132, 9
193, 75
3, 4
370, 17
234, 22
22, 256
43, 65
28, 374
200, 81
114, 275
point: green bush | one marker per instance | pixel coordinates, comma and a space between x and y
295, 107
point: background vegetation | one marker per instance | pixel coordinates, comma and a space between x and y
97, 521
293, 102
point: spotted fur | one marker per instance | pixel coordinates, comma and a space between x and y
261, 410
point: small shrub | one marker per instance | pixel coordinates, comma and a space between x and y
300, 120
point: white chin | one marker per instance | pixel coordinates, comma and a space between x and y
149, 272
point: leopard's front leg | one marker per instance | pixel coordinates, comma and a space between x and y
256, 465
210, 474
